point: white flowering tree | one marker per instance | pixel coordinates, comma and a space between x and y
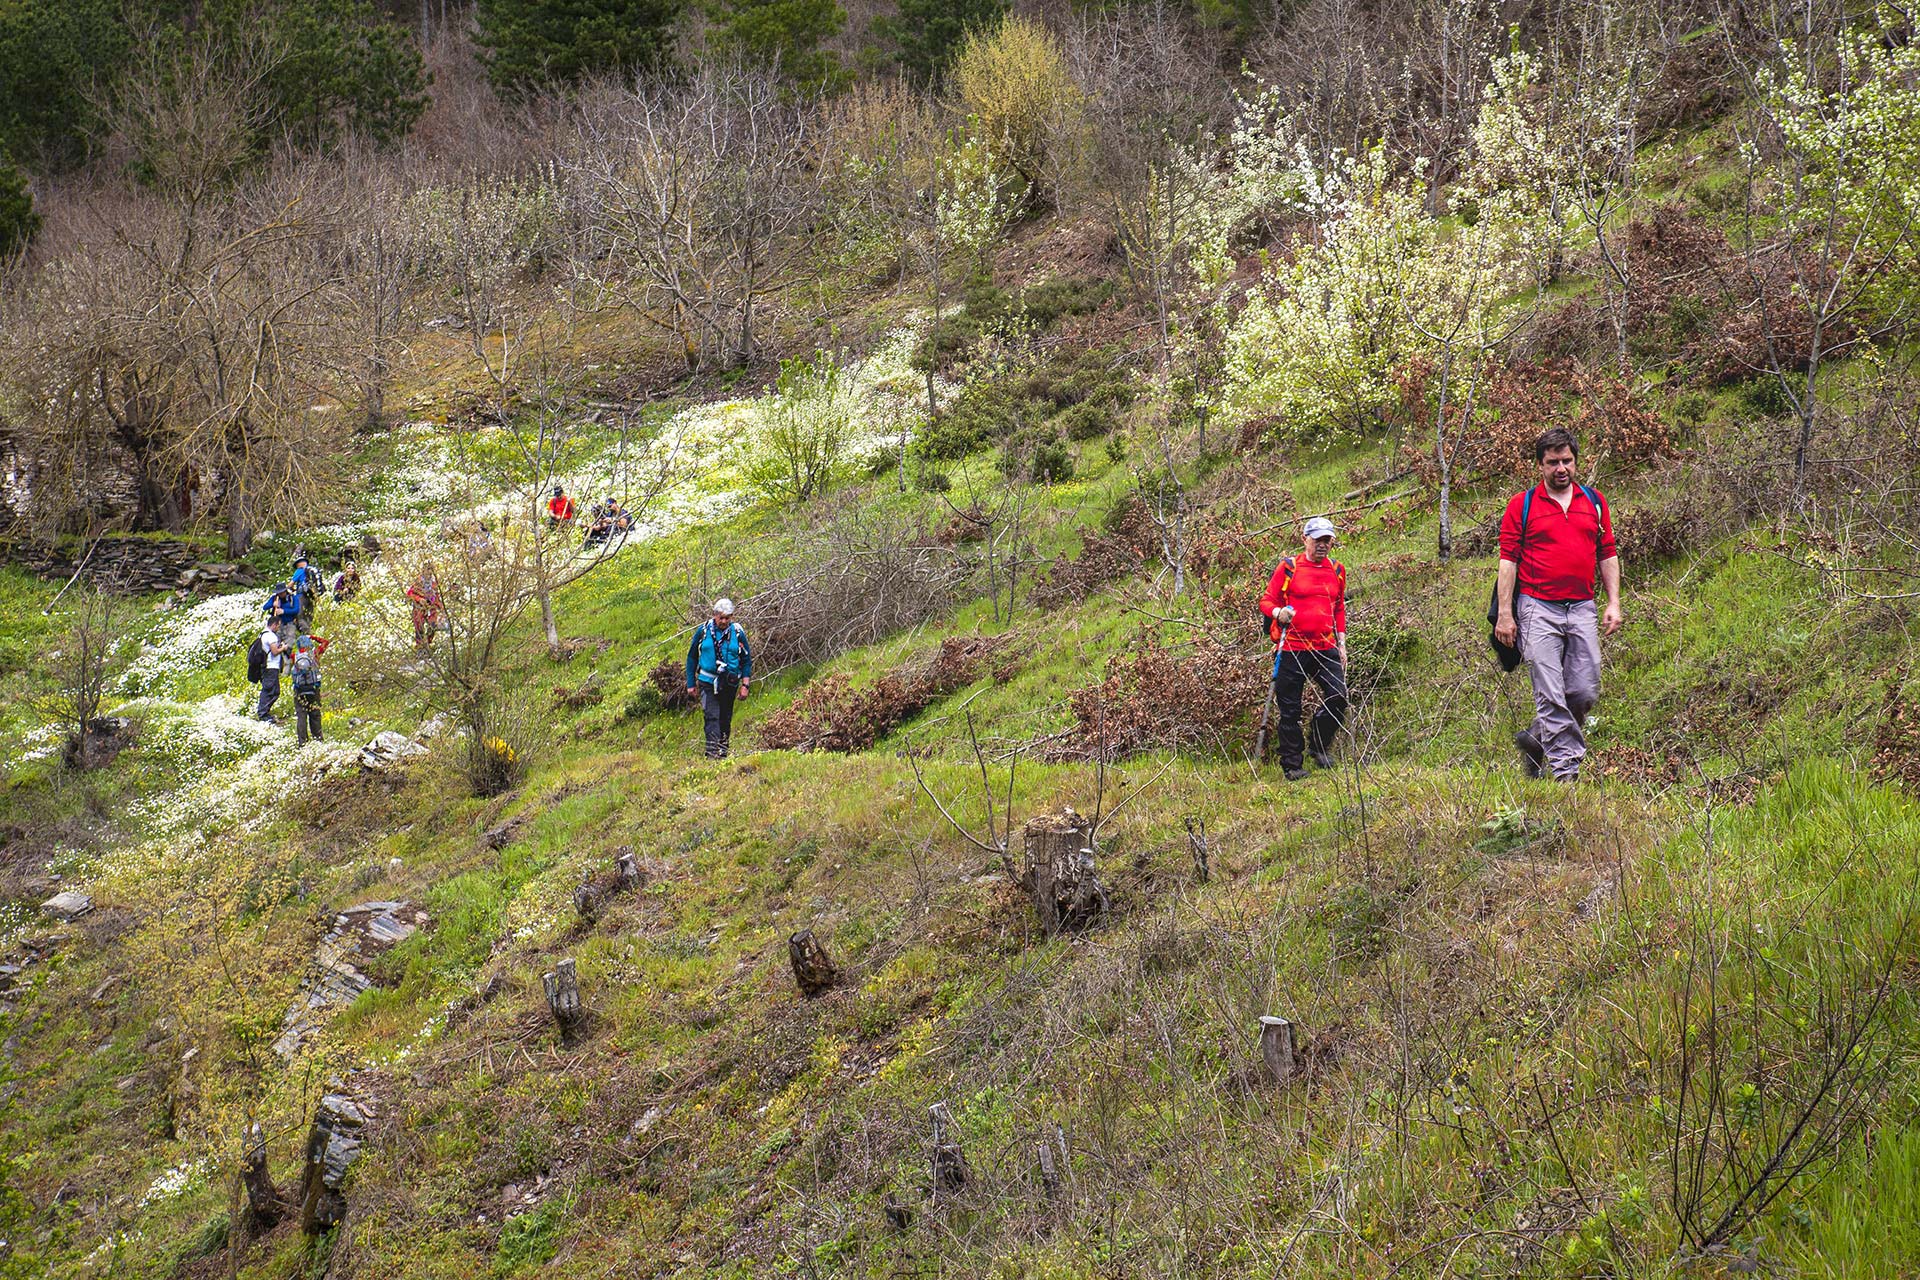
1832, 181
804, 431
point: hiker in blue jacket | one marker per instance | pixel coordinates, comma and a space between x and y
306, 585
719, 666
283, 611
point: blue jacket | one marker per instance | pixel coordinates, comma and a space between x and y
278, 612
714, 651
304, 580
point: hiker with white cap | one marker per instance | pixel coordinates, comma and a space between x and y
1305, 608
719, 667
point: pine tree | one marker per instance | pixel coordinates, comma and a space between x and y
536, 42
927, 33
787, 33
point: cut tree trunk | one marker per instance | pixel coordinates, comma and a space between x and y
563, 998
949, 1166
264, 1205
1277, 1049
812, 970
1067, 893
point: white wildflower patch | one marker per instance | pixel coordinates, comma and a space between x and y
177, 1181
216, 628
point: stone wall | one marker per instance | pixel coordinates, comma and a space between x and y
129, 565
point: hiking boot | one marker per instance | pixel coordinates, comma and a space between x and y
1533, 757
1323, 760
1295, 774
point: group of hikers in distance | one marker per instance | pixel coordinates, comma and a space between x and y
1556, 540
286, 643
1556, 551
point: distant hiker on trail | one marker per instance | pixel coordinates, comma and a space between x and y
608, 519
283, 610
425, 596
346, 583
305, 583
719, 665
275, 650
305, 665
1552, 539
1306, 610
560, 507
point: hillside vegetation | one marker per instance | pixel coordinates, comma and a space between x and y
989, 362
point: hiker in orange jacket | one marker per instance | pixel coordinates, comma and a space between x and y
1306, 610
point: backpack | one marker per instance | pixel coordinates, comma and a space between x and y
1260, 619
256, 661
1508, 655
306, 672
1264, 622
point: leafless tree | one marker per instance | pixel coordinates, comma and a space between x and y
79, 665
698, 202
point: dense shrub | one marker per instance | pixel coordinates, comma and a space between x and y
1192, 696
1124, 543
831, 715
1037, 455
1012, 81
1087, 421
984, 412
532, 43
18, 221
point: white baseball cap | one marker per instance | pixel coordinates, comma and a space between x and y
723, 606
1319, 527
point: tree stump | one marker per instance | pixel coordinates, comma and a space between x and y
949, 1161
1197, 846
812, 970
1067, 893
332, 1146
592, 895
626, 870
264, 1205
563, 998
1277, 1048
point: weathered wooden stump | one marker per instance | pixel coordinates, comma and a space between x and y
949, 1166
1067, 893
1197, 846
812, 970
593, 894
1277, 1048
264, 1205
332, 1146
563, 998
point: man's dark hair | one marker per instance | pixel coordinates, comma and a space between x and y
1558, 437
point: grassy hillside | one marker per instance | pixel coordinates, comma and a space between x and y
1659, 1023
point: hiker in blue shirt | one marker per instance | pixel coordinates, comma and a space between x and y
719, 667
306, 585
283, 610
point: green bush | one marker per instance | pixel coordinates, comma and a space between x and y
18, 221
1037, 455
1049, 303
1763, 394
529, 1239
979, 415
1087, 421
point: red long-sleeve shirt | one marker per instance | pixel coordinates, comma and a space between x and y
1563, 548
561, 508
1318, 594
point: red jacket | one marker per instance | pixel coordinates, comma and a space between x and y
1563, 549
561, 508
1318, 594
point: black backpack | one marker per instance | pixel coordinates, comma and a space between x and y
256, 661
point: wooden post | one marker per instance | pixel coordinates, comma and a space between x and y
949, 1161
1049, 1173
264, 1205
1197, 845
1067, 893
1277, 1048
563, 998
812, 970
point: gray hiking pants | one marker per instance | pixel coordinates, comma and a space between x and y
1561, 643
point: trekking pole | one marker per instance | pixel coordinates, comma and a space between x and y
1266, 708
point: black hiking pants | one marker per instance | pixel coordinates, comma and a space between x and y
717, 706
1324, 668
306, 716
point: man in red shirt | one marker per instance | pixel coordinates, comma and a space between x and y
1306, 609
1552, 540
560, 507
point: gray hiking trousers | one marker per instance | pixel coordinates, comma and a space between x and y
1561, 643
